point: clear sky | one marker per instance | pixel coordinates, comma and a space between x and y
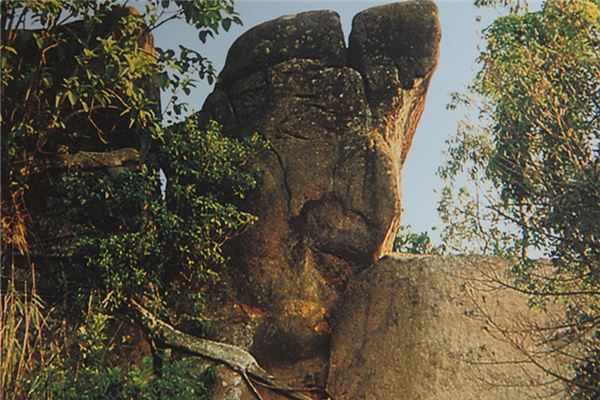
459, 49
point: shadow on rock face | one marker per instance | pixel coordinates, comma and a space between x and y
339, 121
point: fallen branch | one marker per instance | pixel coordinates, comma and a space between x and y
236, 358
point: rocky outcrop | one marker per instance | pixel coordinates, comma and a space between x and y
428, 328
339, 121
307, 291
425, 327
395, 48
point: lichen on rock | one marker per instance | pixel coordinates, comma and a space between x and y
329, 200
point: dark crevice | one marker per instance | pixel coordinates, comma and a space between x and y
283, 133
367, 94
233, 110
285, 178
351, 62
324, 109
309, 96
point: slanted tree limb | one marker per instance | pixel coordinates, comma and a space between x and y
232, 356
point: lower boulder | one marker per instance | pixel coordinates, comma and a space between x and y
426, 327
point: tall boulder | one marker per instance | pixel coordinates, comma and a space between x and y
339, 121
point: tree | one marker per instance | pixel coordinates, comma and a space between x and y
532, 173
88, 227
407, 241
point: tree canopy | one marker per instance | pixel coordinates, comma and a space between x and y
524, 173
102, 204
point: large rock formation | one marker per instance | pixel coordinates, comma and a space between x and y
305, 292
339, 121
434, 328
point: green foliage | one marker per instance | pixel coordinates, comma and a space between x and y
160, 247
88, 371
409, 242
513, 5
529, 168
471, 223
100, 200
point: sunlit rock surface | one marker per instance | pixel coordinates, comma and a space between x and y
339, 121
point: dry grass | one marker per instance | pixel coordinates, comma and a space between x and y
22, 314
22, 323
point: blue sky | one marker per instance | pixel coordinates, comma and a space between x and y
459, 49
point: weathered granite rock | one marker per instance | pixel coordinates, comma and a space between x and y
427, 327
314, 34
329, 199
340, 122
396, 65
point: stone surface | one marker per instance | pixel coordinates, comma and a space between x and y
329, 199
302, 292
315, 35
395, 48
425, 327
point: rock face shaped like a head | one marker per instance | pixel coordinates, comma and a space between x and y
340, 122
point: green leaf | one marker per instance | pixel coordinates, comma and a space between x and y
39, 40
226, 24
202, 36
72, 97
